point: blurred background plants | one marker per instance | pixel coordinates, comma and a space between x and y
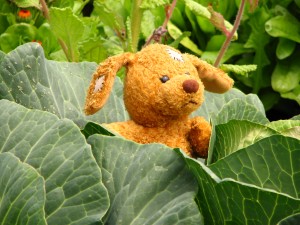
85, 30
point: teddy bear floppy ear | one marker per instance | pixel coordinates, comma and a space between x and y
102, 82
213, 79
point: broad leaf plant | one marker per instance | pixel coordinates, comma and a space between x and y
59, 166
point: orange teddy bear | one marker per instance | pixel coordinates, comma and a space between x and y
162, 88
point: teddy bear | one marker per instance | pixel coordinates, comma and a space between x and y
162, 87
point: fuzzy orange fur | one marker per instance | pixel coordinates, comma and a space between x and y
162, 88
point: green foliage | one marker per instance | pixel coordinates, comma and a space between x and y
57, 151
237, 134
202, 11
158, 177
283, 25
59, 166
66, 36
244, 187
61, 90
286, 76
22, 194
11, 39
90, 176
239, 69
268, 37
183, 39
69, 28
27, 3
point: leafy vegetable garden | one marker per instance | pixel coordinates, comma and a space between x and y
59, 166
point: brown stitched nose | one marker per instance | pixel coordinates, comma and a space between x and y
190, 86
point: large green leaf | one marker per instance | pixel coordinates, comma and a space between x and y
236, 135
28, 78
233, 105
111, 13
297, 117
147, 184
2, 55
213, 103
292, 132
291, 220
68, 28
289, 128
239, 109
283, 125
271, 163
93, 50
22, 195
58, 151
286, 26
226, 201
286, 75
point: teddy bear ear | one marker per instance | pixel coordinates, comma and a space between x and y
213, 79
102, 82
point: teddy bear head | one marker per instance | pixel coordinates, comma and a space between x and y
161, 84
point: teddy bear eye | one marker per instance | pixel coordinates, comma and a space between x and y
164, 78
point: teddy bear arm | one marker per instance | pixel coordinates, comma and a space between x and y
199, 136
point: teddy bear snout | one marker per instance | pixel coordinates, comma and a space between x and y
190, 86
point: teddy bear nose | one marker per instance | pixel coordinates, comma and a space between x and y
190, 86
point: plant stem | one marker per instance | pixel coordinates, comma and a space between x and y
159, 32
45, 11
136, 20
169, 14
229, 37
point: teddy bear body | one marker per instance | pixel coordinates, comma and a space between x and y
162, 88
183, 133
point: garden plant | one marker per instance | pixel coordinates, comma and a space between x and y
59, 166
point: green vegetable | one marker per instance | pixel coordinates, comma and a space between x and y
57, 156
60, 90
286, 26
22, 192
285, 48
73, 171
286, 76
69, 28
157, 189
